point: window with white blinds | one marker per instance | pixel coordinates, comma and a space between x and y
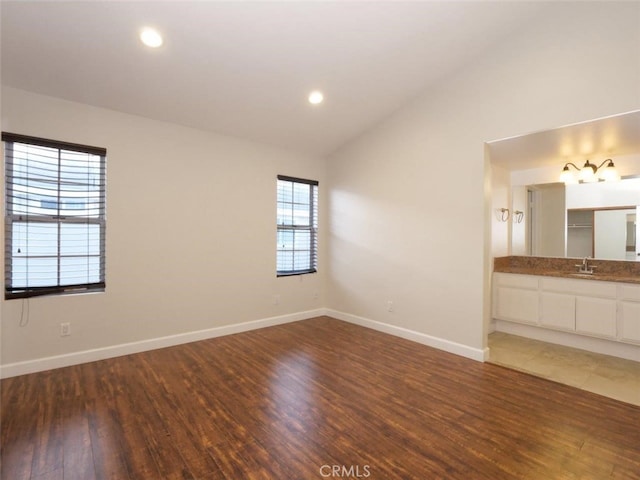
54, 217
297, 219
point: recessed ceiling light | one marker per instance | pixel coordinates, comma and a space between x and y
150, 37
316, 97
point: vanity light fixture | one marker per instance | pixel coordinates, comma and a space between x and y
590, 173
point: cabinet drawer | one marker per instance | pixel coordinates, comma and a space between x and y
580, 287
630, 292
517, 281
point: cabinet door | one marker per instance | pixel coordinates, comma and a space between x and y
596, 316
517, 305
630, 322
558, 311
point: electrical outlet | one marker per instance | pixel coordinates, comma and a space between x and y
276, 299
315, 295
389, 306
65, 329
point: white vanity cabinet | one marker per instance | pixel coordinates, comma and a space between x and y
629, 314
582, 306
516, 298
596, 316
558, 310
592, 308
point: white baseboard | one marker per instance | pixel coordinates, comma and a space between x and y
75, 358
477, 354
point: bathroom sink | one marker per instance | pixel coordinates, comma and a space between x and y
582, 275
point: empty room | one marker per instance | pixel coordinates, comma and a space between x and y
320, 239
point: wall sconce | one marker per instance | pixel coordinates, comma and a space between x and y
518, 216
590, 173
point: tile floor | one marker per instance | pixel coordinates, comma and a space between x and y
609, 376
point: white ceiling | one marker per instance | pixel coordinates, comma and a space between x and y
595, 140
246, 68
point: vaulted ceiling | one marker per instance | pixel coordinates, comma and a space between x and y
245, 68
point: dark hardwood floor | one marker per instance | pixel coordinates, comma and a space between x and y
309, 400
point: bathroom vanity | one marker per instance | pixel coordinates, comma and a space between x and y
548, 299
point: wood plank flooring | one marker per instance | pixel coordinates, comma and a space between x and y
309, 400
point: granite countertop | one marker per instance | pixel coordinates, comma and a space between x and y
605, 271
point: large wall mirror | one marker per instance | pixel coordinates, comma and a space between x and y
599, 219
591, 220
608, 233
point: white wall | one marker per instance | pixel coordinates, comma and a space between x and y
637, 257
500, 199
191, 233
520, 202
407, 208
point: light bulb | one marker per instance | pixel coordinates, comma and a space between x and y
316, 97
151, 37
587, 173
610, 174
567, 176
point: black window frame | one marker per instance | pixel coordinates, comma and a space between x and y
11, 216
311, 227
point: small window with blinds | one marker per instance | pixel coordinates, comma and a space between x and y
297, 219
54, 217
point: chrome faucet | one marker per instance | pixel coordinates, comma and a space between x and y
584, 267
